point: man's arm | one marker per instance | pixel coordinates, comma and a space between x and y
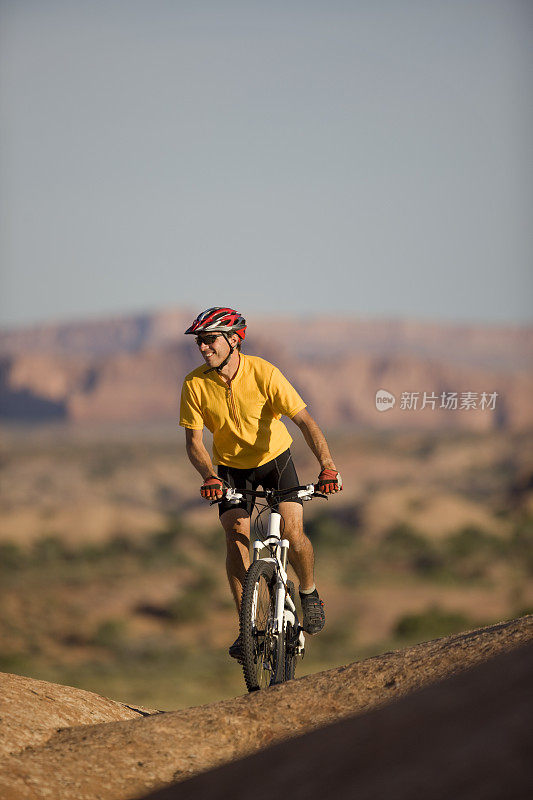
314, 438
198, 455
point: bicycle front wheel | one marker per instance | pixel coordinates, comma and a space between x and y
263, 651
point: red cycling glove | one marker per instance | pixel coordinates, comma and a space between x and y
211, 488
329, 481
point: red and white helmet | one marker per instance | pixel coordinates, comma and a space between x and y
219, 320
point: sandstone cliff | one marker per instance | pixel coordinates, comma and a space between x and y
132, 368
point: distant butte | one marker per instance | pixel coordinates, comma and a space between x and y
130, 369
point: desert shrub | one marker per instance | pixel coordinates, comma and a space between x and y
191, 604
187, 607
110, 633
121, 545
425, 446
407, 548
430, 624
102, 468
471, 552
521, 544
13, 662
523, 612
11, 556
215, 542
403, 538
336, 637
48, 549
204, 582
357, 568
153, 547
472, 540
108, 461
326, 531
89, 552
167, 538
417, 503
167, 498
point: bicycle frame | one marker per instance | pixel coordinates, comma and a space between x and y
285, 610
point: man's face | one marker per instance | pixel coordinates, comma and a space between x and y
214, 348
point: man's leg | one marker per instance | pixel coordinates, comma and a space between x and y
236, 523
301, 555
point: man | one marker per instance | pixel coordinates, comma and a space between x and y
241, 399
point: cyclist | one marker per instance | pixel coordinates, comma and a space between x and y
241, 399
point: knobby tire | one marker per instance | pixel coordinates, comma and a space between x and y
263, 661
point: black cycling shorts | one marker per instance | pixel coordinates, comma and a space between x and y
280, 473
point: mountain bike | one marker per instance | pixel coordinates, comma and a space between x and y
272, 637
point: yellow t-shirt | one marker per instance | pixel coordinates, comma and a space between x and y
245, 419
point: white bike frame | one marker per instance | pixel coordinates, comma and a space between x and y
285, 610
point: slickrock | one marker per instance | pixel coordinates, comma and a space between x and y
467, 737
33, 711
127, 759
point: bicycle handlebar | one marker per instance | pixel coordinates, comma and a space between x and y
301, 492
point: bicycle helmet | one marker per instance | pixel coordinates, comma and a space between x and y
219, 319
223, 320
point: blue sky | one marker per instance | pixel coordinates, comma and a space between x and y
365, 158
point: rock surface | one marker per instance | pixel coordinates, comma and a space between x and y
466, 737
129, 758
32, 711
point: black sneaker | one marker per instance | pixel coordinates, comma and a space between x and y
313, 612
235, 650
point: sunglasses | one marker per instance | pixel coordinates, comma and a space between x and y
208, 338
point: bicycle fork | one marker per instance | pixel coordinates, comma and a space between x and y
285, 610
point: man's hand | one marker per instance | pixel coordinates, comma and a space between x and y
329, 481
211, 488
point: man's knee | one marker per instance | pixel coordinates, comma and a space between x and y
236, 524
293, 522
